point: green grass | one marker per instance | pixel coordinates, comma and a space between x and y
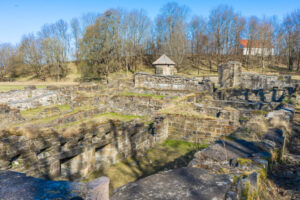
7, 88
288, 101
259, 112
64, 108
34, 112
168, 155
40, 86
142, 95
28, 114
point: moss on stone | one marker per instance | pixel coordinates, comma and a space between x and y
259, 112
244, 161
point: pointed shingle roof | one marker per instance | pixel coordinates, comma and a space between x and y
164, 60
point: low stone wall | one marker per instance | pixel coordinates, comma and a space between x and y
26, 99
230, 114
148, 81
135, 105
230, 75
195, 129
170, 93
52, 154
246, 105
259, 81
262, 95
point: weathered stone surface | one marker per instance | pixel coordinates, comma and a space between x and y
198, 129
19, 186
98, 189
142, 106
144, 80
52, 155
230, 74
258, 81
252, 95
178, 184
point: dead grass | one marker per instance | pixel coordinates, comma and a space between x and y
268, 190
280, 124
71, 132
30, 132
257, 125
184, 109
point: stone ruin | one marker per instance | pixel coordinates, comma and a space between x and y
164, 66
125, 118
231, 75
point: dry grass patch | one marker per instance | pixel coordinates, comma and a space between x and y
184, 109
30, 132
257, 125
280, 124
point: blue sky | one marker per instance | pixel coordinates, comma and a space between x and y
19, 17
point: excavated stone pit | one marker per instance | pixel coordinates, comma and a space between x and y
67, 133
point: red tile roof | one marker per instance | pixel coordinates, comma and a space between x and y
253, 43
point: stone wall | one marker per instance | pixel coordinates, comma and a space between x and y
148, 81
135, 105
230, 75
195, 129
165, 70
32, 98
170, 93
26, 99
229, 113
51, 154
261, 95
259, 81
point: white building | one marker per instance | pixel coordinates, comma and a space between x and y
255, 48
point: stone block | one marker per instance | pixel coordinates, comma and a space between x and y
98, 189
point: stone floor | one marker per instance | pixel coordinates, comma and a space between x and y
184, 183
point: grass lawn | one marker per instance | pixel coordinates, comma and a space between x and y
7, 88
168, 155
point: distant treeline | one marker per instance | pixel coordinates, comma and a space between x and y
117, 40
